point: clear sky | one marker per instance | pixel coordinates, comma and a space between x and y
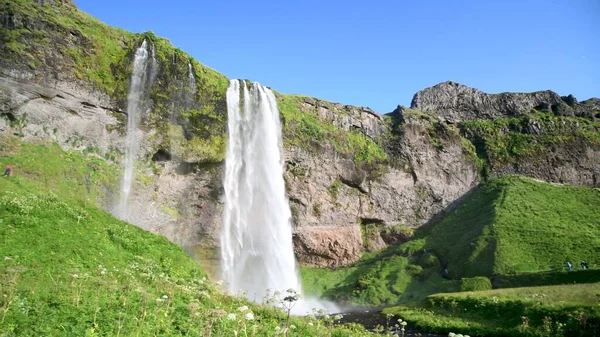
378, 53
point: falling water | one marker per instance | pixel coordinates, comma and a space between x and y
153, 68
256, 238
191, 78
134, 107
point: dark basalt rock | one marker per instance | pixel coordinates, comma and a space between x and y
454, 102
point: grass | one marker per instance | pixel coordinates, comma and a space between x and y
514, 224
73, 174
68, 268
382, 278
509, 227
566, 310
547, 278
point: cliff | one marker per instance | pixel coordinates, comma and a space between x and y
454, 102
356, 179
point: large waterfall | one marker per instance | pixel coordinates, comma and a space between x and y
256, 238
134, 111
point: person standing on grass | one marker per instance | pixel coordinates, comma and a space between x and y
7, 171
569, 265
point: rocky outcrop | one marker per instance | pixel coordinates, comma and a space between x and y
327, 191
453, 102
588, 108
346, 117
74, 118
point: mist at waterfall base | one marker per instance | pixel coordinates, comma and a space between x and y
257, 255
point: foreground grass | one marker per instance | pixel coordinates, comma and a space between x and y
566, 310
68, 268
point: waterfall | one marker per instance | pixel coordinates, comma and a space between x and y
256, 239
191, 78
132, 141
153, 68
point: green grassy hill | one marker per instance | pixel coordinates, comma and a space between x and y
515, 224
566, 310
68, 268
510, 225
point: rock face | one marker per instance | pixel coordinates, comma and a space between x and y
328, 192
346, 117
453, 102
68, 115
181, 203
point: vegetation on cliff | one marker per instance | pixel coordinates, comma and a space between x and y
305, 129
506, 140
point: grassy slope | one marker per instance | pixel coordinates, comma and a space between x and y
511, 224
515, 224
68, 268
566, 310
77, 175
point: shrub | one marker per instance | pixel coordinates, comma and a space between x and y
478, 283
429, 260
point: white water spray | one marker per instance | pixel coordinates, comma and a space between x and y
256, 238
134, 107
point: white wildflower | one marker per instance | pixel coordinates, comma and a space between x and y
243, 308
165, 297
292, 327
249, 316
75, 276
451, 334
231, 317
310, 323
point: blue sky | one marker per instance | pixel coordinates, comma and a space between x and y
379, 53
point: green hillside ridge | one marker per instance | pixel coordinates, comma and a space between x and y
68, 268
515, 224
510, 225
100, 58
565, 310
